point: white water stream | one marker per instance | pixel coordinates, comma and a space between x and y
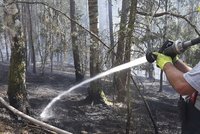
46, 112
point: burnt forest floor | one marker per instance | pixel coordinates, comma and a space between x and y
73, 114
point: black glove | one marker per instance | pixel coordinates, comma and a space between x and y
167, 44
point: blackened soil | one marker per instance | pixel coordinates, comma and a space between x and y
72, 113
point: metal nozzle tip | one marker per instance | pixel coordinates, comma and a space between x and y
150, 57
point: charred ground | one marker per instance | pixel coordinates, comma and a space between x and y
72, 113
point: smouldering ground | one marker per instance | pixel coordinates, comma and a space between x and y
73, 114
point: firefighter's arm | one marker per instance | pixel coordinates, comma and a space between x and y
180, 65
176, 79
174, 76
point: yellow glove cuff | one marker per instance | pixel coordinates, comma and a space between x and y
175, 59
162, 60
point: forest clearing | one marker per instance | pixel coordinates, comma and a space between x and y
97, 66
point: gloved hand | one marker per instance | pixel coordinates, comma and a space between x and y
162, 59
165, 45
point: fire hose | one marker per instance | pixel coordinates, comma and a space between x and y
171, 48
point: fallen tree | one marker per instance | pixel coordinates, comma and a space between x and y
31, 119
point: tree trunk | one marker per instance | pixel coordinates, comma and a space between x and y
46, 45
149, 67
25, 27
77, 64
129, 41
1, 55
164, 39
120, 78
111, 28
30, 37
95, 92
6, 45
51, 57
17, 93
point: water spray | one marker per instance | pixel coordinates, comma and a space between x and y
171, 48
46, 113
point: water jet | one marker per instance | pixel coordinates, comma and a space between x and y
45, 113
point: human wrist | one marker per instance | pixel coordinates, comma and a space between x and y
167, 65
164, 64
175, 59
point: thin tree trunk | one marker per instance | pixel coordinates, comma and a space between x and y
51, 59
161, 81
1, 55
77, 63
47, 46
120, 78
51, 51
24, 23
164, 39
128, 122
111, 27
31, 42
6, 45
131, 22
149, 67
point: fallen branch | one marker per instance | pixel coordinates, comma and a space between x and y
33, 120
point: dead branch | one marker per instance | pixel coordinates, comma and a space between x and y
171, 14
31, 119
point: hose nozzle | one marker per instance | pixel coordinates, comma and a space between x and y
171, 48
150, 57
